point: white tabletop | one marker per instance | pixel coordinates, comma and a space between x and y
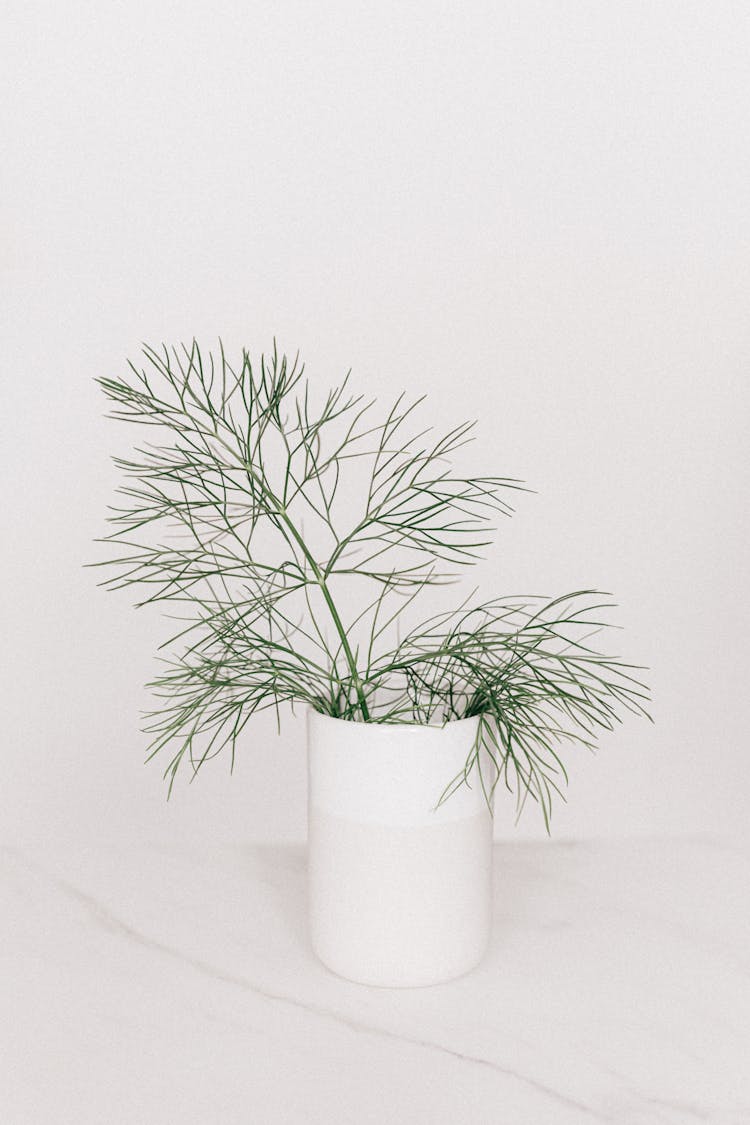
157, 985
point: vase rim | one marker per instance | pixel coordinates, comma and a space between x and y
373, 724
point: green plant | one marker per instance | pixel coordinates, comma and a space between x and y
234, 512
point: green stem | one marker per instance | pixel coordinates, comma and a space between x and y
320, 580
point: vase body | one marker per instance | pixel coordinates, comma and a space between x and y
400, 892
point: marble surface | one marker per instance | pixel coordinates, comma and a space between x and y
151, 984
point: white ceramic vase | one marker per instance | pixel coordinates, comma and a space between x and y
400, 892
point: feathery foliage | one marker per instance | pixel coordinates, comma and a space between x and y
236, 515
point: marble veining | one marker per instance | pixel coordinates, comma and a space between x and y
160, 984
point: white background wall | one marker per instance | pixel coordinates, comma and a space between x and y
536, 212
